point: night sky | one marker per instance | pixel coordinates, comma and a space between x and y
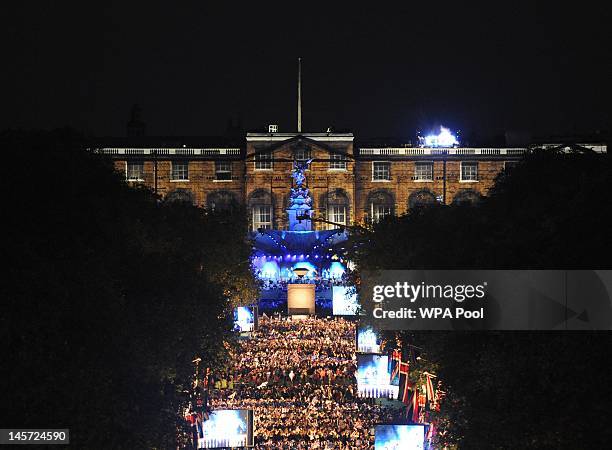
376, 71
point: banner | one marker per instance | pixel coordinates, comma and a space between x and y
488, 299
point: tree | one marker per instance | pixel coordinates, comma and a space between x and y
110, 294
511, 390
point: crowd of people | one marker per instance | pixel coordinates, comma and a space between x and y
274, 291
298, 375
281, 284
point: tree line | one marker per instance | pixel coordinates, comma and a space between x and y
109, 295
508, 390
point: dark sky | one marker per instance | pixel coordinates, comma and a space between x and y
378, 70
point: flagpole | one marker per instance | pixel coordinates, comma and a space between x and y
299, 105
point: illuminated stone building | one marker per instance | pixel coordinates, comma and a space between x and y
348, 183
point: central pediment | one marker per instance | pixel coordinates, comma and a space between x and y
277, 142
275, 137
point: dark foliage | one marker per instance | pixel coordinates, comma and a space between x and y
551, 211
509, 390
109, 294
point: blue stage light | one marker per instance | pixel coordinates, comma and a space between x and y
270, 270
336, 270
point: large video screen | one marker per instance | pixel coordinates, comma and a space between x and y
227, 428
245, 318
373, 377
396, 437
368, 340
344, 301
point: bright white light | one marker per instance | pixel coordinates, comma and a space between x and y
225, 428
336, 270
444, 139
399, 436
373, 377
367, 340
243, 318
270, 270
344, 303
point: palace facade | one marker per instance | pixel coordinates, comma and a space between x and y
348, 183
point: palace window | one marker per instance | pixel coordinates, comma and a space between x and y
223, 170
419, 199
260, 207
509, 165
337, 214
380, 210
180, 171
180, 196
467, 197
423, 171
220, 200
301, 154
381, 205
262, 217
469, 171
381, 171
263, 161
335, 207
337, 161
134, 171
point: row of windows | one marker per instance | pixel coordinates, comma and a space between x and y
380, 204
423, 171
381, 170
335, 208
338, 214
262, 216
179, 171
263, 160
223, 169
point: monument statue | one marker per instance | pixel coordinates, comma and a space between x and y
300, 202
299, 167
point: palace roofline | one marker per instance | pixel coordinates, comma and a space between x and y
170, 141
211, 146
272, 137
